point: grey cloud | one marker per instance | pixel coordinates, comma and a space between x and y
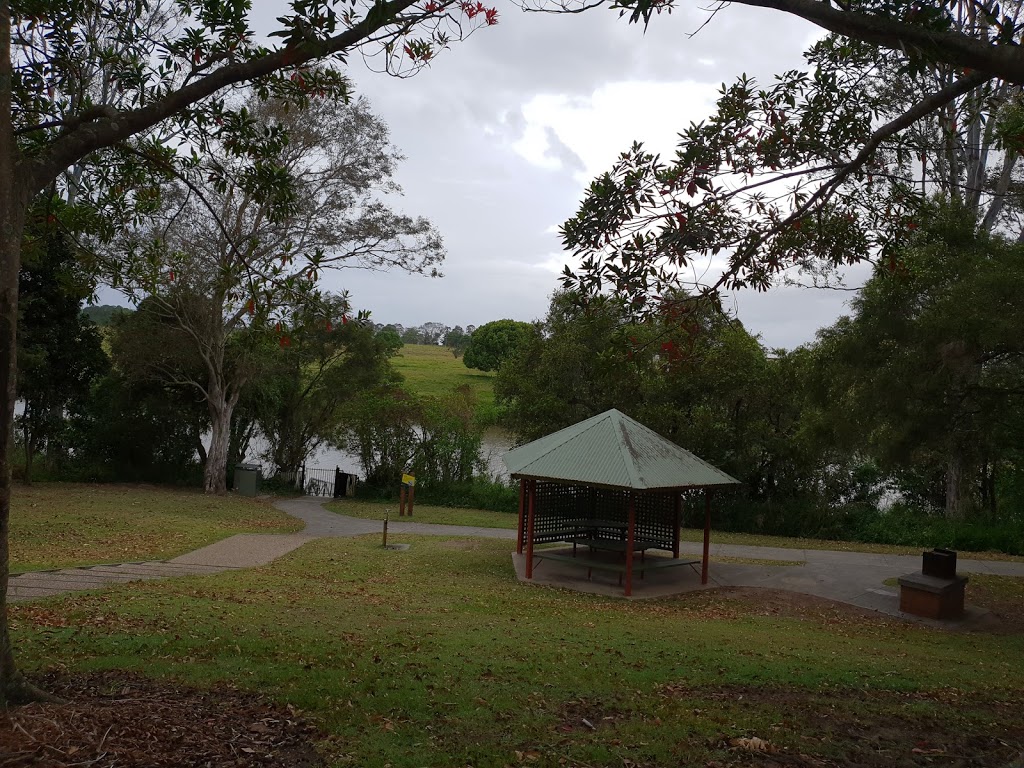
456, 120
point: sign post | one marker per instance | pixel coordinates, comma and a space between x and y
408, 481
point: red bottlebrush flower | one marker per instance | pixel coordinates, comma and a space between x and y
491, 15
911, 225
329, 326
171, 276
277, 327
408, 51
344, 319
252, 306
431, 7
285, 342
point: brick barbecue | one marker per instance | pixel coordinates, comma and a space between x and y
936, 592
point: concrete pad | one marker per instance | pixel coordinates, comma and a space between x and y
660, 583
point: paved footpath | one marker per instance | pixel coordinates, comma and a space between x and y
851, 577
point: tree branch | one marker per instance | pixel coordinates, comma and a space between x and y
92, 136
908, 118
996, 60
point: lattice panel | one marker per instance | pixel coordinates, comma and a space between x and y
557, 508
567, 512
655, 519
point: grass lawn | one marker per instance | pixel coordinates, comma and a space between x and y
374, 510
435, 371
61, 524
424, 513
437, 656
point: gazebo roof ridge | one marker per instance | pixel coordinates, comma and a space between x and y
626, 448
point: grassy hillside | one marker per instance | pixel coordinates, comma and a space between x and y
434, 371
438, 656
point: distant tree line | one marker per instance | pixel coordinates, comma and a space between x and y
100, 403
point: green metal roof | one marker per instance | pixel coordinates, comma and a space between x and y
611, 449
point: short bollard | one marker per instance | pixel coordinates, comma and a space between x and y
385, 544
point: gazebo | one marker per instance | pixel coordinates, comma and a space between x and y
614, 486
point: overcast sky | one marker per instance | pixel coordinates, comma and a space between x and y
504, 131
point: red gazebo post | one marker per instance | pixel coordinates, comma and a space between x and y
707, 536
630, 538
522, 516
678, 515
529, 529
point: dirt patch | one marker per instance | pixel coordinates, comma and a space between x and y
1003, 596
874, 729
117, 719
758, 601
1006, 616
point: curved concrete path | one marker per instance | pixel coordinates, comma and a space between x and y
850, 577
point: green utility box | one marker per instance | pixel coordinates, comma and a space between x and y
247, 479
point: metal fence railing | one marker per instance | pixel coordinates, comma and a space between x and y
332, 483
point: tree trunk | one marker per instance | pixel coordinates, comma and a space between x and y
215, 473
14, 689
957, 492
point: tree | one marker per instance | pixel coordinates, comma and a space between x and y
412, 336
927, 30
155, 363
313, 382
60, 353
494, 342
699, 382
928, 372
230, 260
392, 432
433, 333
92, 92
823, 167
456, 340
391, 339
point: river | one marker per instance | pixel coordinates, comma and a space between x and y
496, 443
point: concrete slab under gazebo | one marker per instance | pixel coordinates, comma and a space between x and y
613, 486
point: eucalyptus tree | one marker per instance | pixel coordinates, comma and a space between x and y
220, 256
161, 77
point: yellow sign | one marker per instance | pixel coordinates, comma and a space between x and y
409, 480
